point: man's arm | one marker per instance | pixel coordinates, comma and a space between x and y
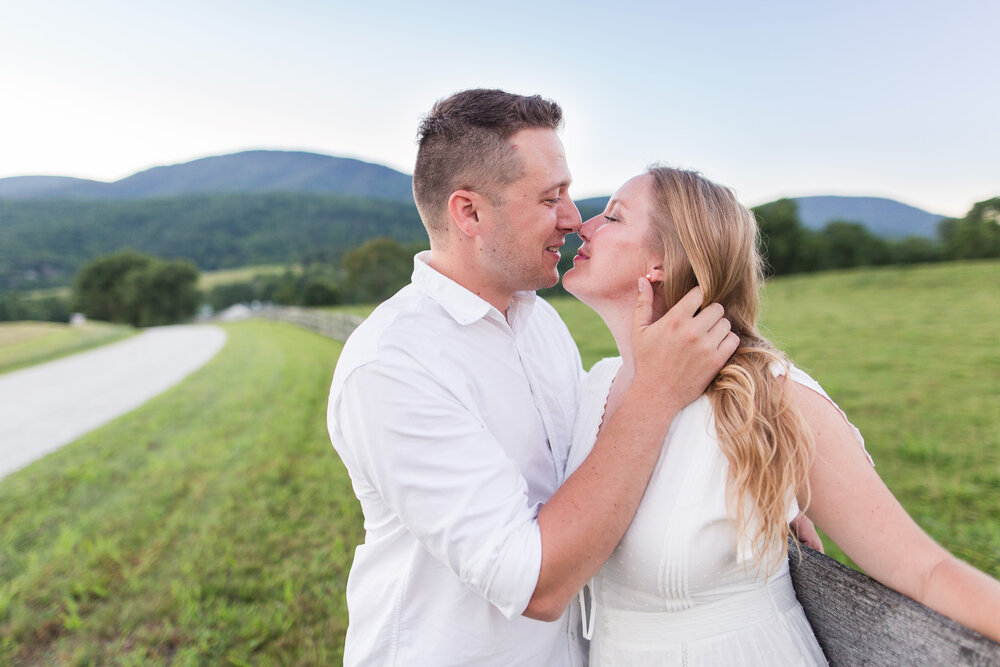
676, 358
419, 457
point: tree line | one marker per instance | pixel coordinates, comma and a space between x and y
45, 243
142, 290
790, 247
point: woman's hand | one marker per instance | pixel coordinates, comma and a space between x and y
805, 531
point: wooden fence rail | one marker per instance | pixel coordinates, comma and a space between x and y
333, 325
858, 621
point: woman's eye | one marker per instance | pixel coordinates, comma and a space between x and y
611, 218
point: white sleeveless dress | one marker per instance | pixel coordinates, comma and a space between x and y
679, 589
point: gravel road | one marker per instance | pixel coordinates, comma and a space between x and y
46, 406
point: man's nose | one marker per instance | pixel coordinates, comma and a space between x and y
569, 216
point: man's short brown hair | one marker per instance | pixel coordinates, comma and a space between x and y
463, 145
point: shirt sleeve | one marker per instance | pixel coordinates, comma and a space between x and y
447, 479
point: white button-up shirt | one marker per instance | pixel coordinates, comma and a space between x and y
454, 424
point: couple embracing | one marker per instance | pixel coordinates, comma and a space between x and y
516, 507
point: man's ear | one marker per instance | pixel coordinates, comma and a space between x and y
464, 207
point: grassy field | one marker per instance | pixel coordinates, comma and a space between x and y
209, 279
215, 525
911, 355
26, 343
206, 279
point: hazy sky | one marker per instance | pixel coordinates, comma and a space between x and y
896, 99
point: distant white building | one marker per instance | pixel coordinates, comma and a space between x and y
234, 313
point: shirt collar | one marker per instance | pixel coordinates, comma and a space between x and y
463, 306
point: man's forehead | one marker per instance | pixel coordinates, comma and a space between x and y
542, 156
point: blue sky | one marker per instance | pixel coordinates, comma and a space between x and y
895, 99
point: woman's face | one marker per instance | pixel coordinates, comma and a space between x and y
615, 250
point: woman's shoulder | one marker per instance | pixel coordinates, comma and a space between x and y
803, 379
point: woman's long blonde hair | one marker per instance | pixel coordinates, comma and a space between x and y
708, 238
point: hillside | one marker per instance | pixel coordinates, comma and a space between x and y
43, 243
249, 171
883, 217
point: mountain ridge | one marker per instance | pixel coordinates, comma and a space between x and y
883, 216
252, 171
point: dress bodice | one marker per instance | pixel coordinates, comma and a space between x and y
682, 558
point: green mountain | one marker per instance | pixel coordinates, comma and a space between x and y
258, 207
883, 217
249, 171
43, 243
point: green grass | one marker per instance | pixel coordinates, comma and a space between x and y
209, 279
206, 279
912, 355
214, 525
26, 343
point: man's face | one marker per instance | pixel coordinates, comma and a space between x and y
521, 246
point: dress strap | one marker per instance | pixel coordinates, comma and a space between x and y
806, 380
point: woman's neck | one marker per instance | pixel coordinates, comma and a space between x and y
619, 318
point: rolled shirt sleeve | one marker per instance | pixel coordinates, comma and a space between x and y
440, 471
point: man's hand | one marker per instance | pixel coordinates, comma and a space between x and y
684, 350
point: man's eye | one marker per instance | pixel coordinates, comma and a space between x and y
554, 201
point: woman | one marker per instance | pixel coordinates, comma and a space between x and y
701, 576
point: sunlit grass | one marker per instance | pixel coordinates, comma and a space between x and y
912, 355
26, 343
213, 525
209, 279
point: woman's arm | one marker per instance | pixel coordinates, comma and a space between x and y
855, 508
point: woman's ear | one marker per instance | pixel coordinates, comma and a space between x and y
656, 274
464, 208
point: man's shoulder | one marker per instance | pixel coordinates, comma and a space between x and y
404, 327
388, 320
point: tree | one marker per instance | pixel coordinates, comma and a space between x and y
851, 244
916, 250
977, 235
376, 270
784, 240
136, 289
165, 292
99, 289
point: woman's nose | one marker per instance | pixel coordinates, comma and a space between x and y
587, 227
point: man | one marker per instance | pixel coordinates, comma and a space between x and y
453, 405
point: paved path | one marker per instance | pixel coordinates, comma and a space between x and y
46, 406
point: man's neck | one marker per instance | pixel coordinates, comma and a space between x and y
457, 270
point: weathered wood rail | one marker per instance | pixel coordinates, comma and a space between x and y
858, 621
